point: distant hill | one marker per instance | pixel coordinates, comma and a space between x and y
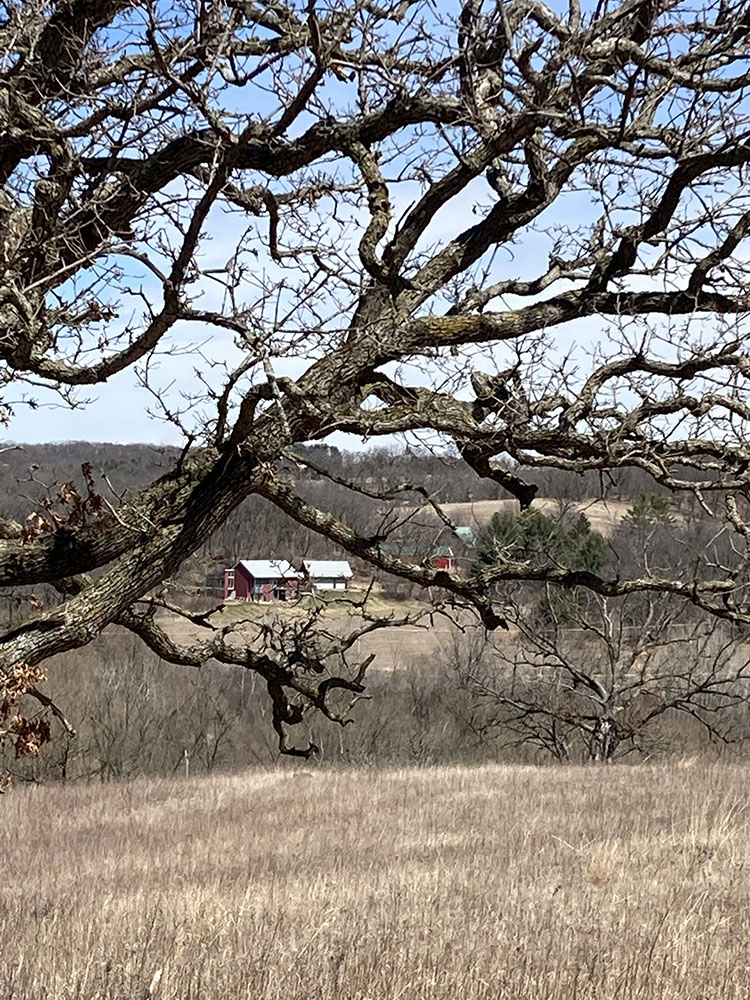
259, 530
29, 471
603, 515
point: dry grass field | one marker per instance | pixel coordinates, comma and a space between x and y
501, 882
603, 515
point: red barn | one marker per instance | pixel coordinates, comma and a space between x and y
442, 557
262, 580
439, 556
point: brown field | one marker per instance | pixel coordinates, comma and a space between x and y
499, 882
393, 647
604, 515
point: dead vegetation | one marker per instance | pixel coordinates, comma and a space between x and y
495, 882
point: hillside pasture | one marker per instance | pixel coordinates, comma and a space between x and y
340, 614
603, 515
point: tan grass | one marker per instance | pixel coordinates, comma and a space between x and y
500, 882
603, 515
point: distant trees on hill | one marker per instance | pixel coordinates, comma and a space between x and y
588, 676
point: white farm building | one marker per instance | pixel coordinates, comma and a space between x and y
328, 574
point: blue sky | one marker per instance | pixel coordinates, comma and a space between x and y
119, 410
118, 414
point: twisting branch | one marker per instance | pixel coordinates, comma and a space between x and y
288, 222
286, 655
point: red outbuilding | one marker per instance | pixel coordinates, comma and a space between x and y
262, 580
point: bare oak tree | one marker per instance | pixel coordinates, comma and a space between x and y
376, 218
610, 678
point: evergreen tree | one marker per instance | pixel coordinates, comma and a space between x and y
648, 510
539, 540
535, 538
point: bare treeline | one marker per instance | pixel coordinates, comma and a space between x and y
453, 699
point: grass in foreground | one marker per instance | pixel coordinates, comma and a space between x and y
501, 882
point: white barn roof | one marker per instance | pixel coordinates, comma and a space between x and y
270, 569
324, 568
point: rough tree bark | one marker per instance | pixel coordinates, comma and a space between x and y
373, 164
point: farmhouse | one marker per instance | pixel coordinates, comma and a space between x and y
328, 574
262, 580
